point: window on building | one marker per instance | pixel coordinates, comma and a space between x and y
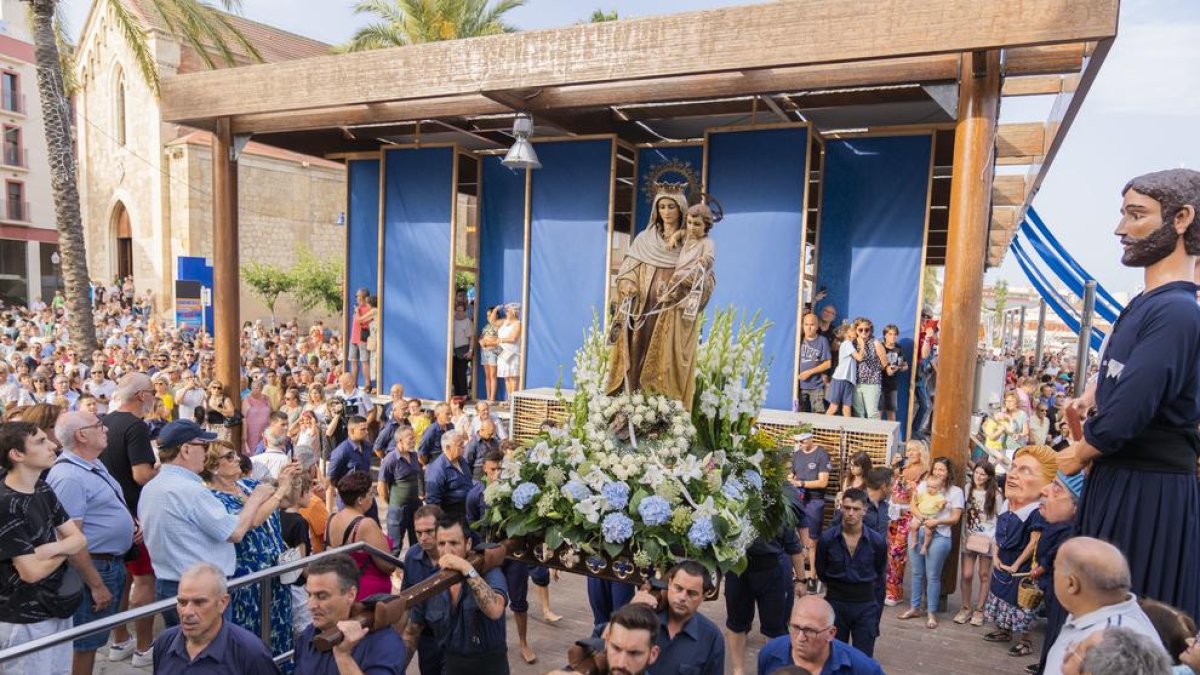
13, 268
119, 111
10, 91
13, 155
14, 199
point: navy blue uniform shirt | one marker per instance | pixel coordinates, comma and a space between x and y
418, 567
851, 577
464, 630
380, 652
446, 483
348, 457
234, 651
875, 518
697, 649
430, 445
476, 507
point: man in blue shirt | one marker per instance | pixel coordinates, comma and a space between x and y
687, 641
400, 487
767, 584
420, 563
815, 359
332, 585
205, 643
851, 560
810, 644
468, 618
352, 454
1142, 440
448, 478
431, 439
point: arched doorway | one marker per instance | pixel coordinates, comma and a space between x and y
124, 244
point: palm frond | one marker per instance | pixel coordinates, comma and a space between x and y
131, 27
66, 50
377, 35
401, 22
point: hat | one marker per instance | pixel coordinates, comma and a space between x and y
1073, 483
802, 436
1064, 376
176, 434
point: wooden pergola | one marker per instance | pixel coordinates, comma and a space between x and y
845, 66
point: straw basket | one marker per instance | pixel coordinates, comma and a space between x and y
1029, 596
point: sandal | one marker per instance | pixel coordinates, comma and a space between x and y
977, 618
909, 613
998, 636
1022, 648
963, 615
931, 622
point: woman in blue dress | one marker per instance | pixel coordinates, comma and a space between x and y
259, 548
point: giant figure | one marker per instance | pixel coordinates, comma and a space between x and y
1141, 441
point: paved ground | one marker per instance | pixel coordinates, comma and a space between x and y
905, 648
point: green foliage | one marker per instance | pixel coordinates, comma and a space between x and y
1000, 303
600, 16
318, 282
268, 282
403, 22
464, 279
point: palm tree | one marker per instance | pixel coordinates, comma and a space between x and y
193, 22
405, 22
600, 16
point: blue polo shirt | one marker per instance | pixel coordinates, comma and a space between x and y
184, 523
90, 494
851, 577
476, 507
418, 567
843, 659
380, 652
875, 517
234, 651
698, 649
446, 483
430, 445
349, 457
464, 631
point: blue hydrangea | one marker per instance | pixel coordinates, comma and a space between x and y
734, 489
616, 495
576, 490
702, 534
524, 494
617, 528
754, 478
654, 510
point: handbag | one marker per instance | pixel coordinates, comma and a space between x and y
979, 543
61, 602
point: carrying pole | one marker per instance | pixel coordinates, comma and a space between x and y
1085, 335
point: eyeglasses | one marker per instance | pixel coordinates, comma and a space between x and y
808, 632
864, 330
228, 457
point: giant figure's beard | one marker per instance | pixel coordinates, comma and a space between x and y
1151, 248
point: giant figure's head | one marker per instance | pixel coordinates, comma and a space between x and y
1158, 210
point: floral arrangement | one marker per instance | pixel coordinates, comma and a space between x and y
637, 482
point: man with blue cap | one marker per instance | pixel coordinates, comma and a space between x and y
184, 523
1059, 501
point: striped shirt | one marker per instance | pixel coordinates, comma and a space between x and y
1077, 629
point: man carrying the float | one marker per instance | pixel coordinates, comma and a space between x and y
1141, 441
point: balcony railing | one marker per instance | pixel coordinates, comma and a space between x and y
14, 103
16, 210
16, 157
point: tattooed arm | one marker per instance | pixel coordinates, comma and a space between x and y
490, 602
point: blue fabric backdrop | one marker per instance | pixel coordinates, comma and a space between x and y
362, 232
418, 188
759, 179
501, 244
568, 242
648, 159
188, 268
874, 202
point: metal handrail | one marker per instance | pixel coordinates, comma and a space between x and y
160, 606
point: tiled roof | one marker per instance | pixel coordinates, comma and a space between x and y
273, 44
200, 137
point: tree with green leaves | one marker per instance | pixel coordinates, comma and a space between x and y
404, 22
600, 16
318, 282
931, 289
999, 304
268, 282
195, 23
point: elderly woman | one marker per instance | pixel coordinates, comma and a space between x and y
259, 549
927, 564
915, 463
1018, 529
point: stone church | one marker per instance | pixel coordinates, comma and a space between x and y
145, 186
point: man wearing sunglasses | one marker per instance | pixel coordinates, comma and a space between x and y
184, 522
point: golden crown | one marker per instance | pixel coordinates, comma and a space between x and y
657, 182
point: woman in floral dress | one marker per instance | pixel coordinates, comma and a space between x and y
259, 548
915, 454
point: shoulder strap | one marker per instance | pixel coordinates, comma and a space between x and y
351, 529
64, 460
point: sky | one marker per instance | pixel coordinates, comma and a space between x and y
1141, 114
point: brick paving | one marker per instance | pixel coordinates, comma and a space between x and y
904, 648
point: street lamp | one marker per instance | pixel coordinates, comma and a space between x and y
56, 260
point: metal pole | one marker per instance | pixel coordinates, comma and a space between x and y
1021, 335
1041, 334
1085, 334
264, 610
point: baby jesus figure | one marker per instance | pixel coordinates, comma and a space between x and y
693, 278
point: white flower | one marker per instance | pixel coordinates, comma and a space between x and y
510, 470
609, 445
541, 454
653, 475
689, 468
590, 509
636, 420
756, 459
704, 509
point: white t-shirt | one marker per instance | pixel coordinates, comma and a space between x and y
463, 332
105, 388
1077, 629
984, 525
267, 465
954, 500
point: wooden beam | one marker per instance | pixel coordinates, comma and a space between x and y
1008, 191
1020, 140
970, 192
1003, 217
367, 113
227, 311
1045, 60
1039, 85
808, 33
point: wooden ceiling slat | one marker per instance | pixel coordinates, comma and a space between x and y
1008, 191
1020, 140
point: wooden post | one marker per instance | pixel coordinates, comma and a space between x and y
966, 248
226, 295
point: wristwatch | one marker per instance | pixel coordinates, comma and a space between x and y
472, 574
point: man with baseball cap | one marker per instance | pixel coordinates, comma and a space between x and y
184, 523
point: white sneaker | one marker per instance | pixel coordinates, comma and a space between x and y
890, 602
142, 659
119, 651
